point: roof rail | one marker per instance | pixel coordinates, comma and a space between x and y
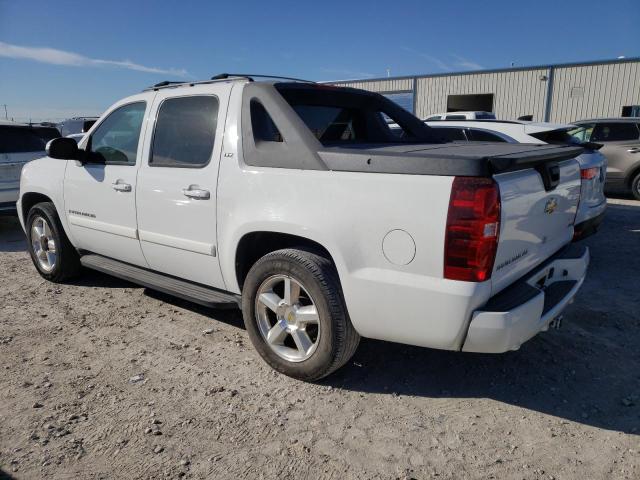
250, 76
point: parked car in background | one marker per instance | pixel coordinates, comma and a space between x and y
19, 144
46, 131
76, 125
461, 116
191, 189
593, 164
620, 138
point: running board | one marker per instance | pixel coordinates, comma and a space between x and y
207, 296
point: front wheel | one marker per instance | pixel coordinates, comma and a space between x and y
635, 187
51, 251
295, 314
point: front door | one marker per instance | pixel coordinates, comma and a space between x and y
99, 196
177, 183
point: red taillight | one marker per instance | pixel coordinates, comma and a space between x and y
473, 226
589, 173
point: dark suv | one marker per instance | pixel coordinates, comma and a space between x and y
621, 140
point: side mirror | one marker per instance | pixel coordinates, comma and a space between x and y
63, 148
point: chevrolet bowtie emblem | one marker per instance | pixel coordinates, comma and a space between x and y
551, 206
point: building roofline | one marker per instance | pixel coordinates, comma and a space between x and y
493, 70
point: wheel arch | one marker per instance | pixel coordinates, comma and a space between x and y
29, 199
254, 245
633, 172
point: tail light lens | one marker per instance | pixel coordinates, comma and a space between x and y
589, 173
473, 226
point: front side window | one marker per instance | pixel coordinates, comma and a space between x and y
615, 132
185, 132
115, 141
19, 140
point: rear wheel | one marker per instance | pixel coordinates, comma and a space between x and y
635, 186
51, 252
295, 314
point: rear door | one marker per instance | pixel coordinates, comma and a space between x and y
18, 145
100, 197
621, 142
177, 183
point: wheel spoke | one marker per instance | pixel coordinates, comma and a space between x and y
270, 300
45, 229
291, 291
307, 314
302, 340
42, 255
278, 333
51, 258
51, 246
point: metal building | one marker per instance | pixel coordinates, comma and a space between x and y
554, 93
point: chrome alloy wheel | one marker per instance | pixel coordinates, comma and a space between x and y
287, 318
43, 244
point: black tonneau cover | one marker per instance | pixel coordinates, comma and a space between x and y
476, 159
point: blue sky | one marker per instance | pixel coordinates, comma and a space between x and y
62, 58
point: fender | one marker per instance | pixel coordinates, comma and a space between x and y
46, 177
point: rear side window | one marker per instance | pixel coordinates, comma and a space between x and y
484, 136
612, 132
485, 116
263, 126
19, 140
185, 132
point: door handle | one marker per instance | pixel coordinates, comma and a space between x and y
120, 186
195, 192
634, 150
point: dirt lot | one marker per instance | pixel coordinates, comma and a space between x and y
102, 379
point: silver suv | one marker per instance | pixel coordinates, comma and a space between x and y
621, 140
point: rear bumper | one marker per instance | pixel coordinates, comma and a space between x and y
527, 307
587, 228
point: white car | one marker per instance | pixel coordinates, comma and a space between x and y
19, 144
593, 164
297, 202
76, 136
461, 116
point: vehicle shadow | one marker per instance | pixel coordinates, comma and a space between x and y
5, 476
587, 372
12, 238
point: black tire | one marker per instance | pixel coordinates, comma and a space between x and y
67, 263
635, 186
337, 341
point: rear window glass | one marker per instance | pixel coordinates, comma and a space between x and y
455, 117
451, 134
485, 116
341, 116
185, 132
20, 140
484, 136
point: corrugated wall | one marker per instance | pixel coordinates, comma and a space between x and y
579, 91
594, 91
391, 85
515, 93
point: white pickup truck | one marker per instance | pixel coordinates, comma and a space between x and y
297, 202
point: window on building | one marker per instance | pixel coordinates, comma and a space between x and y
476, 102
631, 111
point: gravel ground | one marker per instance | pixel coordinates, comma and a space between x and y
103, 379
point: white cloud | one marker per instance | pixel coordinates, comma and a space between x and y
465, 63
441, 64
60, 57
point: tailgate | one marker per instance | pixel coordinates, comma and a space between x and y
536, 218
